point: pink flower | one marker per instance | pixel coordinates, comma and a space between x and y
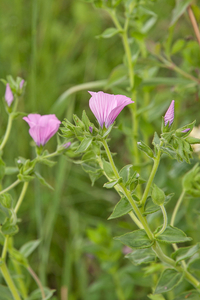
107, 107
169, 116
21, 84
42, 128
9, 95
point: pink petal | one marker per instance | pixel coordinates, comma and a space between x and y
32, 119
169, 116
8, 95
106, 107
42, 128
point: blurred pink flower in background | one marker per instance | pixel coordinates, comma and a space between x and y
21, 84
106, 107
42, 128
169, 116
9, 95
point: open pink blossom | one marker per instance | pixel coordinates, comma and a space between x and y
169, 116
42, 128
9, 95
107, 107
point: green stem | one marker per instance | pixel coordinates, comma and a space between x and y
171, 65
128, 194
10, 186
164, 220
7, 133
35, 277
176, 208
151, 178
21, 197
19, 279
5, 247
144, 223
9, 281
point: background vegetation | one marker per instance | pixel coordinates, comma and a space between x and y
53, 46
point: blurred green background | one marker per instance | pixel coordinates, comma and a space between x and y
53, 46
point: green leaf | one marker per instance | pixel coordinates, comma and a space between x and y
150, 207
189, 295
108, 130
168, 280
29, 247
25, 178
84, 145
141, 256
8, 229
47, 162
19, 257
178, 46
158, 196
2, 169
108, 169
85, 119
179, 9
172, 235
125, 173
109, 32
136, 239
122, 208
185, 253
43, 181
156, 141
192, 140
111, 184
36, 295
5, 293
6, 200
146, 149
78, 122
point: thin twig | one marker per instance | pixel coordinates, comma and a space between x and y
194, 23
37, 280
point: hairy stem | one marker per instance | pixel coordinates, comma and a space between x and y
10, 187
164, 220
35, 277
156, 248
7, 133
9, 281
21, 197
177, 207
151, 178
194, 23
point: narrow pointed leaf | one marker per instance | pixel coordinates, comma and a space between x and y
43, 181
122, 208
84, 145
135, 239
29, 247
111, 184
168, 280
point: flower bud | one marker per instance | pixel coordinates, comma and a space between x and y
169, 116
